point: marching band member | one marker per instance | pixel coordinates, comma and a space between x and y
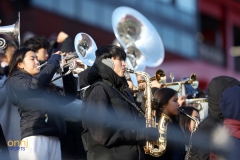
167, 102
227, 142
9, 117
40, 46
39, 104
203, 137
111, 122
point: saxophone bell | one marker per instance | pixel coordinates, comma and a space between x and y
156, 148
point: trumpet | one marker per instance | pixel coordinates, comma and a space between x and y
160, 76
196, 100
193, 81
67, 61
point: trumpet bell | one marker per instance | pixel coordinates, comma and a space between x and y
12, 30
160, 76
131, 28
85, 48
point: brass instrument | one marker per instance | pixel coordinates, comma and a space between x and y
198, 101
158, 147
193, 80
201, 104
131, 28
85, 51
134, 33
85, 48
196, 123
42, 65
159, 76
66, 62
12, 30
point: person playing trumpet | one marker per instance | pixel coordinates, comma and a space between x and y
39, 104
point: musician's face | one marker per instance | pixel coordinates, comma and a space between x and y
30, 63
119, 66
196, 115
171, 108
42, 54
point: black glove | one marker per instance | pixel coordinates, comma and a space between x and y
149, 134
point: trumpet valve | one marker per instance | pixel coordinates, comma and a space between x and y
72, 65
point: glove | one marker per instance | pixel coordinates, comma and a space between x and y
149, 134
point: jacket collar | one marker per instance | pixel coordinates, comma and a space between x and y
101, 72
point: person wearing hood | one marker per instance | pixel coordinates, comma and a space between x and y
111, 118
227, 142
203, 137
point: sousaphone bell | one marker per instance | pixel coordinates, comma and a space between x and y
85, 48
132, 29
11, 30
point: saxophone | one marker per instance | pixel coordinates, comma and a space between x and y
156, 148
196, 123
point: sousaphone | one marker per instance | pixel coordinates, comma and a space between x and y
11, 30
132, 29
85, 48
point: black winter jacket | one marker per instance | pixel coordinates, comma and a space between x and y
109, 121
40, 105
203, 137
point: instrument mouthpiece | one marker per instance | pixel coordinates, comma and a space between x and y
129, 70
44, 64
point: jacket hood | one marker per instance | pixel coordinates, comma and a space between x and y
230, 103
101, 72
215, 89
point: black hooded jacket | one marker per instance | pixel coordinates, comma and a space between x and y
202, 138
109, 121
